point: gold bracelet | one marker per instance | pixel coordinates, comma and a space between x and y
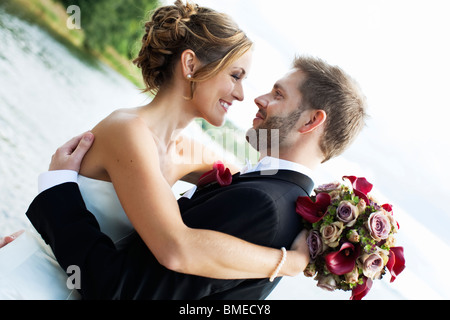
280, 264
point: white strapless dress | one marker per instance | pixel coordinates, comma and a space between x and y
28, 268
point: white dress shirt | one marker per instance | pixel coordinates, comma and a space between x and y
49, 179
274, 164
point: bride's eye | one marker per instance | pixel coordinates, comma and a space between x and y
236, 77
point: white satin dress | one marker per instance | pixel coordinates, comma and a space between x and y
28, 268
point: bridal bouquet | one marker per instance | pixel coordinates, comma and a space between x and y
351, 238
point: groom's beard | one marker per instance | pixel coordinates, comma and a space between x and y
273, 132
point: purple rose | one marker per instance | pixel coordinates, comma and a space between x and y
347, 213
327, 187
379, 225
373, 264
315, 244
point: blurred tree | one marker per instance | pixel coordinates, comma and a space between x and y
117, 23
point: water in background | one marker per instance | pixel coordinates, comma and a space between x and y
47, 95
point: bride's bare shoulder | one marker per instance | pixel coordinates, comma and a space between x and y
120, 117
121, 122
120, 135
122, 130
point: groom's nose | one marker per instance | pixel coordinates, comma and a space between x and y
261, 101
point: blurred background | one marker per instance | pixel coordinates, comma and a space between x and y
56, 83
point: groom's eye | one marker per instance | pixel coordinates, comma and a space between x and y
278, 94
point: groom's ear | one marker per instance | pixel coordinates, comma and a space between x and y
189, 62
312, 120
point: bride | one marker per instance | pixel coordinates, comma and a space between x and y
194, 60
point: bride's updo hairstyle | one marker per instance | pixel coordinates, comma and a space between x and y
214, 37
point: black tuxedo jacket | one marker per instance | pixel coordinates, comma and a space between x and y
256, 207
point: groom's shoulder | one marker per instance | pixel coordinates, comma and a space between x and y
259, 195
274, 185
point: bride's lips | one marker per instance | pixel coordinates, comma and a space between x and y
225, 105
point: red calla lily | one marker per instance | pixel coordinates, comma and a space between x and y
389, 209
361, 187
313, 211
342, 261
361, 290
396, 262
218, 174
360, 184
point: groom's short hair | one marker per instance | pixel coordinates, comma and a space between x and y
330, 89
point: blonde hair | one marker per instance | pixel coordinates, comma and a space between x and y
214, 37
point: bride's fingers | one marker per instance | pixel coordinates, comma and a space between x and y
8, 239
17, 233
2, 242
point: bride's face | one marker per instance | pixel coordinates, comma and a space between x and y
214, 97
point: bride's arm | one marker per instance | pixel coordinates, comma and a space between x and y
131, 160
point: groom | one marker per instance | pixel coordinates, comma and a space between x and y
318, 111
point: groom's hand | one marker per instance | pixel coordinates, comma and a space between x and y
70, 155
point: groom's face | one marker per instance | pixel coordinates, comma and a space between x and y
280, 108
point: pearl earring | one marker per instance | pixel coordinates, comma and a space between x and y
189, 76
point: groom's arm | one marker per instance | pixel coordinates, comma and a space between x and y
60, 216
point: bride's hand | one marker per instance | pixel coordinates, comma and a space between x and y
8, 239
301, 248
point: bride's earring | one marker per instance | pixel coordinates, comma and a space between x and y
189, 76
